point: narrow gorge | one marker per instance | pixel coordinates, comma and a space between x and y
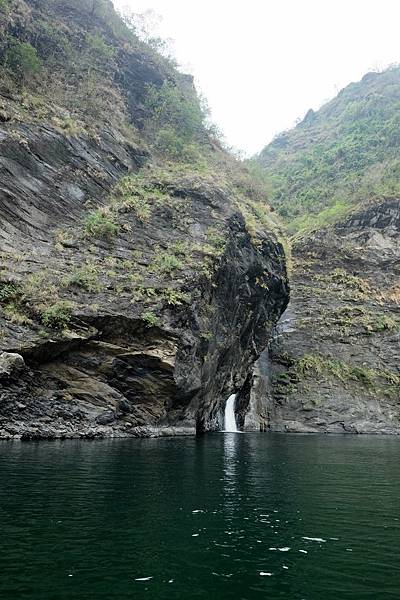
144, 269
199, 349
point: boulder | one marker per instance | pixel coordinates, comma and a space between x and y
11, 365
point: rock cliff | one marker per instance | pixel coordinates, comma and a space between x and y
336, 354
334, 179
138, 281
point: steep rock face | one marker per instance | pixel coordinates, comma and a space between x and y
336, 353
334, 179
138, 277
254, 398
147, 349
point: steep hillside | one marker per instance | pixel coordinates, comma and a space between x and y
139, 277
334, 362
345, 153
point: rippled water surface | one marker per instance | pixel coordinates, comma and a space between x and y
223, 516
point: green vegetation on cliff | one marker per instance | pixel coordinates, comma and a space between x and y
317, 367
71, 64
345, 153
147, 160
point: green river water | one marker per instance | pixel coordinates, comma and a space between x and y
218, 517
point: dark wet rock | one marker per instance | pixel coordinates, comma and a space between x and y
106, 418
254, 399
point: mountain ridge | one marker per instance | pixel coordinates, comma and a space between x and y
339, 156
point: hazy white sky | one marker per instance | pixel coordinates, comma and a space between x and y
263, 63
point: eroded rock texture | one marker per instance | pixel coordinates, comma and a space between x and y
127, 364
139, 280
336, 354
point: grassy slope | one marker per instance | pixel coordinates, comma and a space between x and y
345, 153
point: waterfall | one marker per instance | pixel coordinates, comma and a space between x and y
230, 419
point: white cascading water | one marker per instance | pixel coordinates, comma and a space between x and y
229, 418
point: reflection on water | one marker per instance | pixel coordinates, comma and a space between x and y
230, 447
223, 516
230, 483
